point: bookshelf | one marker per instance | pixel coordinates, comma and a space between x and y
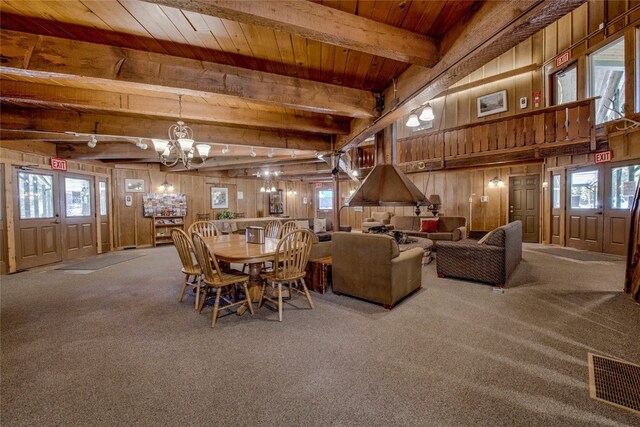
162, 226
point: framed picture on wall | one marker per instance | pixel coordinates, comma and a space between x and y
219, 198
492, 104
134, 185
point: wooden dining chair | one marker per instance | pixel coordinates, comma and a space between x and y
184, 246
288, 227
292, 255
215, 278
273, 229
206, 228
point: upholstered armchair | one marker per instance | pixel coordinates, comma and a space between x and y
371, 267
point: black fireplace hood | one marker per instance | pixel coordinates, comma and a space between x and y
387, 185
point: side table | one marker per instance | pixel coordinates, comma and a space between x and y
318, 276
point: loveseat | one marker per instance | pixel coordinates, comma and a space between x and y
448, 227
371, 267
490, 260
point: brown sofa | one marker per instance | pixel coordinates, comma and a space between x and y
371, 267
449, 227
492, 261
376, 219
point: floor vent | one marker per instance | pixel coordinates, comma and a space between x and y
614, 382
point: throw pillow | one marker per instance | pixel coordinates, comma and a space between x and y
319, 225
303, 224
485, 238
428, 225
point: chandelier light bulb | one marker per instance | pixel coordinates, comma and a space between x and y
167, 152
185, 144
262, 189
427, 114
159, 145
203, 150
413, 121
273, 189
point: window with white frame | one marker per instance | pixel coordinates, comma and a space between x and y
607, 81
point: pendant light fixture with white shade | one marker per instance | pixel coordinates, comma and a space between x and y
413, 121
427, 114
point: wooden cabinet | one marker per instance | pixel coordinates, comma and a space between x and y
162, 226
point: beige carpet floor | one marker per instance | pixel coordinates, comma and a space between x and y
113, 347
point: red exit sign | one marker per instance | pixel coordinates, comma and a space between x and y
563, 58
58, 164
603, 157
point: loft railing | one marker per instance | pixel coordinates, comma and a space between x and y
533, 134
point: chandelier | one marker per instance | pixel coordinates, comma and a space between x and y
267, 186
180, 146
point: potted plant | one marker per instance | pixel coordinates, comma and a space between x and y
225, 215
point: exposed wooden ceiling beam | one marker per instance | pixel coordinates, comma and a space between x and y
495, 28
323, 24
57, 97
263, 164
63, 121
30, 54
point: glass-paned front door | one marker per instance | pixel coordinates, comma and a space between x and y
35, 195
623, 186
77, 197
584, 190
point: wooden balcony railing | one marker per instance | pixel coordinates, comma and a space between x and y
561, 129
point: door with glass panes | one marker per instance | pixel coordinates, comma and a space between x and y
78, 219
584, 222
620, 186
38, 238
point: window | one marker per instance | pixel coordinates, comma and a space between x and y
103, 198
584, 190
555, 191
77, 193
325, 199
624, 181
607, 81
35, 193
565, 85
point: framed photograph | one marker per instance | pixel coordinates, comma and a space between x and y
219, 198
492, 104
134, 185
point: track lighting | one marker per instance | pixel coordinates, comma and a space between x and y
271, 153
226, 149
92, 142
141, 145
293, 154
252, 153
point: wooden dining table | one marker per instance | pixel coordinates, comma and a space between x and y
234, 248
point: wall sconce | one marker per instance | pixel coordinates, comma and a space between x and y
545, 185
495, 182
165, 186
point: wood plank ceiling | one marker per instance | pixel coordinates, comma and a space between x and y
286, 77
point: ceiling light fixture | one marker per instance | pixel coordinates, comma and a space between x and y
413, 121
179, 148
271, 153
252, 153
293, 154
92, 142
141, 145
427, 114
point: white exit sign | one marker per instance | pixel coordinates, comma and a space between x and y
603, 157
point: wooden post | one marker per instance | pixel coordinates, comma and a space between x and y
335, 159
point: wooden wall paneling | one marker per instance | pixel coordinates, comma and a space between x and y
561, 130
550, 41
579, 23
573, 123
450, 112
506, 61
511, 133
478, 187
596, 17
523, 54
564, 33
539, 128
550, 126
523, 88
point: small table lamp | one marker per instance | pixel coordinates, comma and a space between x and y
435, 201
